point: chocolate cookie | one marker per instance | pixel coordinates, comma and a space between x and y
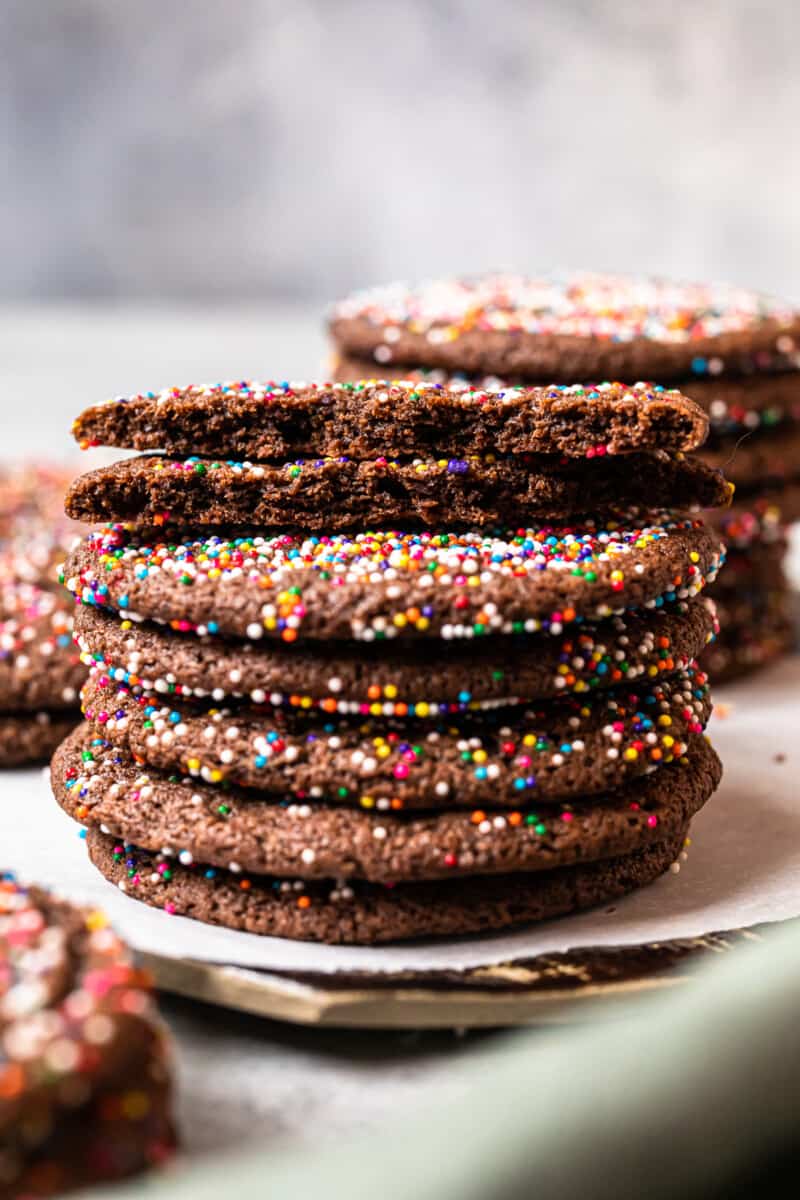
34, 532
340, 493
582, 326
757, 462
32, 494
252, 420
376, 585
758, 521
83, 1060
40, 665
752, 644
101, 786
759, 566
34, 553
761, 402
571, 747
28, 738
382, 679
750, 604
364, 913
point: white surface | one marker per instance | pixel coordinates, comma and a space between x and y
743, 867
57, 359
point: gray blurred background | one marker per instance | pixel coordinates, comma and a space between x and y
186, 185
293, 149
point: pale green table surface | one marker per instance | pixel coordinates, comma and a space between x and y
685, 1095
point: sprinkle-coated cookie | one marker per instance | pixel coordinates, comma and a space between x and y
32, 494
571, 747
384, 680
755, 522
340, 493
759, 402
581, 326
34, 553
756, 633
250, 420
759, 566
376, 585
84, 1083
40, 665
755, 609
757, 463
31, 737
364, 913
34, 531
101, 786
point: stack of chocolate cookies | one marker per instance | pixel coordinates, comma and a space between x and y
737, 353
40, 669
374, 661
754, 600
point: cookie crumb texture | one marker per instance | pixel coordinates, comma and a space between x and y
341, 493
84, 1064
762, 402
251, 420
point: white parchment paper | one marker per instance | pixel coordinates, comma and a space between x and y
743, 866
